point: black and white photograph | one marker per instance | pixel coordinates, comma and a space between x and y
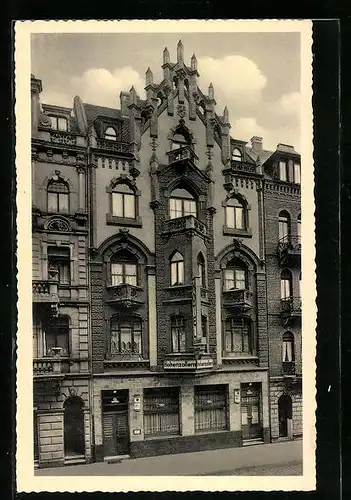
166, 256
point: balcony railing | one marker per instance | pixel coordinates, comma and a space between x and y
188, 362
64, 138
237, 299
125, 295
46, 290
241, 166
46, 367
186, 223
288, 368
183, 153
118, 147
289, 247
291, 305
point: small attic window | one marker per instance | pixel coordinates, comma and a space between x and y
58, 123
236, 155
110, 134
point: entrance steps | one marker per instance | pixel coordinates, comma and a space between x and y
250, 442
116, 459
75, 460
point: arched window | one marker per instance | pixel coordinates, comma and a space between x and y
201, 269
124, 269
181, 137
236, 155
181, 203
56, 337
299, 228
288, 348
125, 335
178, 333
58, 196
123, 201
234, 214
238, 335
235, 275
110, 134
285, 285
177, 269
284, 225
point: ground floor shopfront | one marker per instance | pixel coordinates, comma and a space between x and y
146, 415
62, 422
286, 409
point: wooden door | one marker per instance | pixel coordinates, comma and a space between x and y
251, 423
74, 427
116, 433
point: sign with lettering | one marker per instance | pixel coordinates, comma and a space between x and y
136, 432
137, 402
236, 395
189, 364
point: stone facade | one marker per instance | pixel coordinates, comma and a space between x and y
170, 328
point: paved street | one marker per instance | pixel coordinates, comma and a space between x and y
276, 459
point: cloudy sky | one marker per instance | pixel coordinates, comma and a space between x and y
257, 75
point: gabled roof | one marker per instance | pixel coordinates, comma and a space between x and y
93, 112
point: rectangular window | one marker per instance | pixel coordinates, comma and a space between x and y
235, 217
189, 207
210, 408
178, 334
177, 273
285, 289
238, 336
123, 205
161, 411
125, 337
297, 174
58, 123
282, 171
57, 336
59, 259
123, 273
234, 279
180, 208
175, 208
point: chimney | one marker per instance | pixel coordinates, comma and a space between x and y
256, 144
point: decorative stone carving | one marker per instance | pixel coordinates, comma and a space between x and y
57, 224
181, 110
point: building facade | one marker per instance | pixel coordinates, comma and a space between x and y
167, 307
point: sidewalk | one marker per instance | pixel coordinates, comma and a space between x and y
190, 464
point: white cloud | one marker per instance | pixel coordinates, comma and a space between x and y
245, 128
100, 86
56, 98
237, 81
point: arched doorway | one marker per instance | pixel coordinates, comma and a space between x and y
74, 427
285, 416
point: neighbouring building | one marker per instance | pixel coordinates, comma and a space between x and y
155, 240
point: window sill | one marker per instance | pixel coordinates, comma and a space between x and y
112, 220
162, 436
229, 231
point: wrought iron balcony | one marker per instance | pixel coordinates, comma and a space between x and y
289, 249
189, 363
108, 145
237, 299
291, 308
186, 223
180, 154
64, 138
288, 368
125, 296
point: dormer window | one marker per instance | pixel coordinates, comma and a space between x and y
283, 174
297, 173
110, 134
236, 155
59, 123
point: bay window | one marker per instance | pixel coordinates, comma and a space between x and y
178, 334
181, 204
239, 336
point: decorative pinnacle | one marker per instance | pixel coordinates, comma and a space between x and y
226, 115
133, 95
193, 63
166, 56
180, 52
211, 91
149, 77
